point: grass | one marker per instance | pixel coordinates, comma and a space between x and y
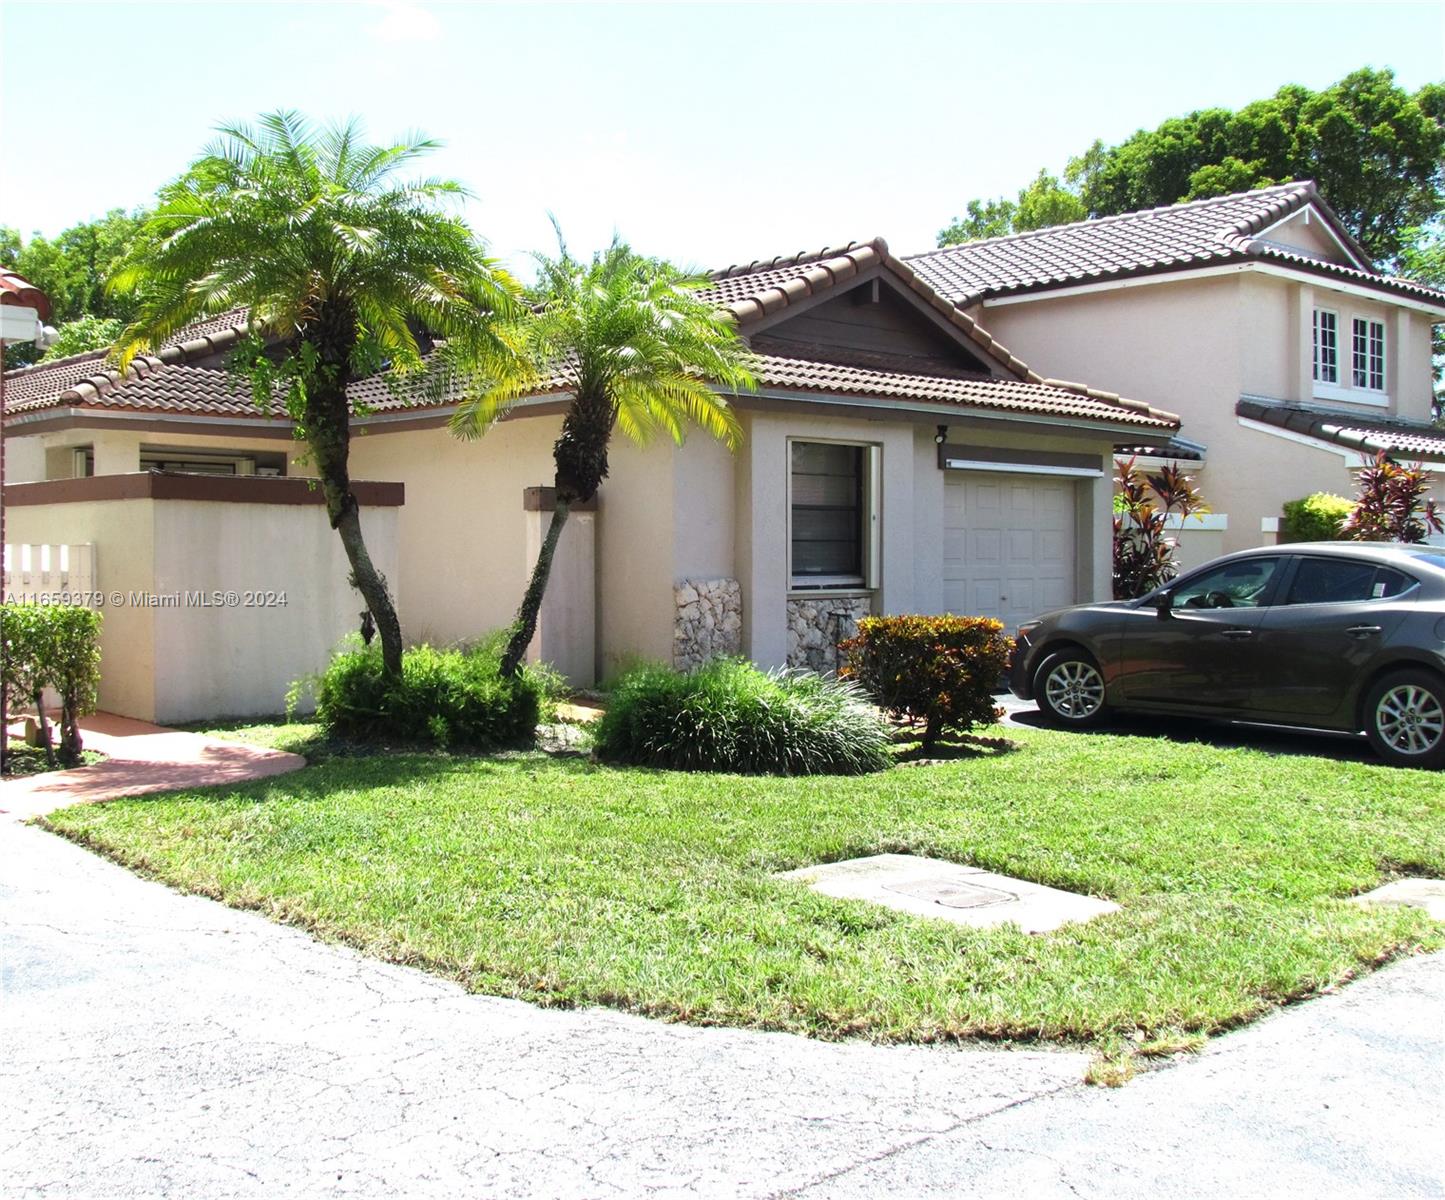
564, 882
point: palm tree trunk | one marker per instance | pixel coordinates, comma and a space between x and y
372, 585
328, 425
525, 628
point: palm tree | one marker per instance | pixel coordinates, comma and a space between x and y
640, 351
340, 264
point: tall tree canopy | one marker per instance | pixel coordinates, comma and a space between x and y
341, 260
72, 269
1376, 151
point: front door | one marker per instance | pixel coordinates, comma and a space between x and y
1200, 651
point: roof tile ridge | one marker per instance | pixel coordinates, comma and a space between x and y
47, 364
1110, 219
801, 258
96, 387
821, 274
960, 319
1112, 398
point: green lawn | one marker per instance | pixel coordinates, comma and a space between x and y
562, 882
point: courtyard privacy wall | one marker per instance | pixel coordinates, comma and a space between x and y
53, 646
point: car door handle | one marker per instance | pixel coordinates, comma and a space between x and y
1362, 631
1237, 633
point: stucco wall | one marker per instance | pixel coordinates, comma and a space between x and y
1194, 348
239, 659
123, 533
462, 532
179, 659
30, 458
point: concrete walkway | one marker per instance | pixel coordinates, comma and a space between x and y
140, 758
154, 1044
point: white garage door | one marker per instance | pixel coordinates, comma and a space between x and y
1008, 545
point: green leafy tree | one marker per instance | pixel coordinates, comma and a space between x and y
84, 334
1046, 201
1424, 259
640, 350
340, 264
1374, 149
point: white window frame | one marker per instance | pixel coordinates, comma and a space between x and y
815, 585
1343, 386
1372, 333
1318, 348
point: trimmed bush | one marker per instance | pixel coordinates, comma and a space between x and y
730, 716
1316, 518
52, 646
938, 670
454, 698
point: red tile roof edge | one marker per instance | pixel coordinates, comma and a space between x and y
16, 289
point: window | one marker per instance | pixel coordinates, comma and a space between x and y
1369, 354
1327, 346
830, 514
1344, 581
1242, 584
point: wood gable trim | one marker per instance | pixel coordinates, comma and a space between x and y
882, 275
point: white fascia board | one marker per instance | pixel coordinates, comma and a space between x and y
1189, 274
1353, 458
18, 323
1312, 210
1008, 468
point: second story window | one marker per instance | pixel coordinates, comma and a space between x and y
1368, 357
1327, 346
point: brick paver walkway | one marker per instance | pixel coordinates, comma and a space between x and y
140, 758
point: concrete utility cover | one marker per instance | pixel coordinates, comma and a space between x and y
1428, 894
931, 887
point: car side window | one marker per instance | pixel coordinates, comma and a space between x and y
1344, 581
1242, 584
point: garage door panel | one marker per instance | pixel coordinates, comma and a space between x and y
1009, 545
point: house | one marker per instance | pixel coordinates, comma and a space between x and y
1256, 317
896, 458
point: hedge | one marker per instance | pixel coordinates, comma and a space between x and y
938, 670
52, 646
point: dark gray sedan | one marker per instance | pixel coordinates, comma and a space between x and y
1346, 636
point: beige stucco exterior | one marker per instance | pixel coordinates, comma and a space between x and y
174, 645
1196, 344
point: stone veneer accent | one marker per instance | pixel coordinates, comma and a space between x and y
709, 621
814, 632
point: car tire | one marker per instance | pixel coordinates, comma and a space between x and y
1069, 690
1405, 719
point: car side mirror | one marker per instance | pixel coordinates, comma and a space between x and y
1164, 605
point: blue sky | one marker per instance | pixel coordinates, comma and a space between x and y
705, 133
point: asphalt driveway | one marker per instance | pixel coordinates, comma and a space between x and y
162, 1045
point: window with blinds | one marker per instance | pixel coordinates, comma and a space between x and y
828, 514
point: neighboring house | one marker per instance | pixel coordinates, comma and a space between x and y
896, 458
1256, 317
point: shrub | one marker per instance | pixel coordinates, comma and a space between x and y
1316, 518
52, 646
1143, 552
1392, 505
938, 670
728, 715
446, 698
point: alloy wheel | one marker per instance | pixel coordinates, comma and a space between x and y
1410, 719
1075, 690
